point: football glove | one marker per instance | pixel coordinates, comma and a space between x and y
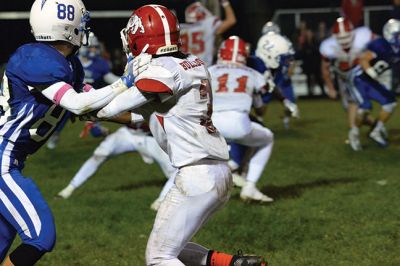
134, 67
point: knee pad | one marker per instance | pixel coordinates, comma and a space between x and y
26, 255
389, 107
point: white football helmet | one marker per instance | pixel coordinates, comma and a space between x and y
391, 32
59, 20
270, 27
274, 50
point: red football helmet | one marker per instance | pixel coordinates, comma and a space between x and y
196, 12
152, 29
343, 32
233, 50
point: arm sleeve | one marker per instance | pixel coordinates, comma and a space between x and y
126, 101
63, 94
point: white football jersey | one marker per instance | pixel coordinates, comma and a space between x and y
236, 87
181, 123
343, 61
198, 38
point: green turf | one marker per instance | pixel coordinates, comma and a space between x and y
333, 206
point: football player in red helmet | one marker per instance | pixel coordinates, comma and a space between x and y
339, 54
174, 95
236, 89
198, 33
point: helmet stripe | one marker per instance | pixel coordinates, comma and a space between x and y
235, 49
167, 31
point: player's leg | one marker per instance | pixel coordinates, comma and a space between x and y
195, 254
237, 154
288, 92
7, 234
198, 192
262, 138
149, 147
232, 124
359, 94
23, 206
387, 99
120, 141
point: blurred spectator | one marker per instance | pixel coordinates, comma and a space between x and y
301, 35
322, 32
353, 10
311, 62
118, 59
396, 9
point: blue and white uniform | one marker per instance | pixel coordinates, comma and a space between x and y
280, 75
27, 120
366, 88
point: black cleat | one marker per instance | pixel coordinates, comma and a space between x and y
249, 260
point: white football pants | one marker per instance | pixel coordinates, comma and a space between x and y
121, 141
237, 127
199, 191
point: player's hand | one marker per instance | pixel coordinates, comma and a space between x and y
292, 107
269, 81
332, 94
225, 3
134, 67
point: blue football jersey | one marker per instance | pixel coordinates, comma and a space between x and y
95, 71
386, 56
256, 63
28, 118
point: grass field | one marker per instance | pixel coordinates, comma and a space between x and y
333, 206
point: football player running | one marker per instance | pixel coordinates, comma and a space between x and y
341, 53
201, 27
42, 82
381, 54
130, 138
281, 70
174, 94
236, 88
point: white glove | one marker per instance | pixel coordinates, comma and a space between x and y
292, 107
139, 64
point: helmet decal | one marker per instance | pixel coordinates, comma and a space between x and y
135, 24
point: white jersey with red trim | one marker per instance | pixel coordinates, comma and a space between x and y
343, 61
181, 123
236, 87
198, 38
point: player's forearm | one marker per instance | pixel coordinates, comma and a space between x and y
128, 100
365, 60
230, 18
326, 76
64, 95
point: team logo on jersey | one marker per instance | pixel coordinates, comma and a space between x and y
135, 24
